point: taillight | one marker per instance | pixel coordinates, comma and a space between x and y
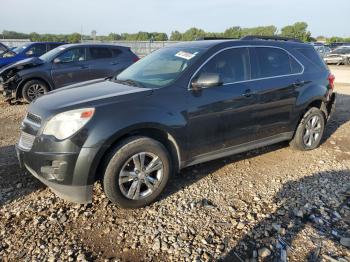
331, 79
135, 59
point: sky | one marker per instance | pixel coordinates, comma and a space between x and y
328, 18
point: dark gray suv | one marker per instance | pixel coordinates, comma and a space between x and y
182, 105
62, 66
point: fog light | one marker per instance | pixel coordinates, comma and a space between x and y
56, 171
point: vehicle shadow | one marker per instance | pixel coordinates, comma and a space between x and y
191, 175
321, 200
14, 181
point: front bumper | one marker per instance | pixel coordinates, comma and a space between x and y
67, 174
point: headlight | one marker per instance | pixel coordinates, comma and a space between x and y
68, 123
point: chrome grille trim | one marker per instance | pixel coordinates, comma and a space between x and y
26, 141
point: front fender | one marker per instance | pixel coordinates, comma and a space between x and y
112, 127
26, 77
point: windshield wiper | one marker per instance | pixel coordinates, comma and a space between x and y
129, 82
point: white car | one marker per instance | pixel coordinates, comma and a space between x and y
340, 55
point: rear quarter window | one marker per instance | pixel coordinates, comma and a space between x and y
313, 58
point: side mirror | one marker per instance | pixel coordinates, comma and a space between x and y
57, 61
206, 80
29, 53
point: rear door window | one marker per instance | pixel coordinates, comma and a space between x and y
232, 65
100, 53
272, 62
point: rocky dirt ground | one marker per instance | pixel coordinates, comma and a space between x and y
257, 206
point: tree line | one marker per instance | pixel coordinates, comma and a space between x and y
298, 30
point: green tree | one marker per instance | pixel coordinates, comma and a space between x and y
74, 38
192, 34
175, 36
233, 32
297, 30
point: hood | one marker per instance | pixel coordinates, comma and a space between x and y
91, 93
22, 64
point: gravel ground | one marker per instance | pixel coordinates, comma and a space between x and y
254, 206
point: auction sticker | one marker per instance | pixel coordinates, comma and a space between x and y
185, 55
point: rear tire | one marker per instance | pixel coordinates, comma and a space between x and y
137, 171
34, 89
310, 130
347, 62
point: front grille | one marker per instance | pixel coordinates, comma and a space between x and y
34, 118
26, 141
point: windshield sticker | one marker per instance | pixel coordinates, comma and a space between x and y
185, 55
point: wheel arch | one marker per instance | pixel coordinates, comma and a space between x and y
155, 133
24, 81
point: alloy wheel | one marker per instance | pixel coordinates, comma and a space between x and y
141, 175
35, 91
313, 131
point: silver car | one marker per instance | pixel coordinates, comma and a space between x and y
340, 55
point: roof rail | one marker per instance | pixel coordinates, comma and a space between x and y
276, 38
215, 38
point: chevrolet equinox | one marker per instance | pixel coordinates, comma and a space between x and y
182, 105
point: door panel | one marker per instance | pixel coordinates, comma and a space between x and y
220, 117
276, 100
72, 68
277, 74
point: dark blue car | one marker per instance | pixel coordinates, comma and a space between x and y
25, 51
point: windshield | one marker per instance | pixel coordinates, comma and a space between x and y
49, 56
161, 67
19, 49
14, 51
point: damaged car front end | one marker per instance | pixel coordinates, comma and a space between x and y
11, 77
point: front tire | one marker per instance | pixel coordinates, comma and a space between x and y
137, 172
34, 89
310, 130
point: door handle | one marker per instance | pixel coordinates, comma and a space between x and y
248, 93
298, 83
84, 67
114, 63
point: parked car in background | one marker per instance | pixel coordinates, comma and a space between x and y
3, 48
62, 66
340, 55
323, 50
338, 44
26, 50
181, 105
317, 44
